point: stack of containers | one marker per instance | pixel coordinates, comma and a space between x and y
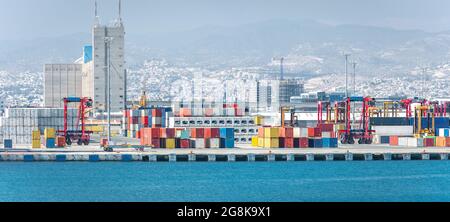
286, 137
135, 120
36, 139
187, 138
212, 137
271, 137
49, 137
329, 139
315, 137
226, 137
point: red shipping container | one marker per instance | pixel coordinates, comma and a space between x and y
303, 142
429, 142
156, 113
143, 137
155, 133
156, 143
60, 141
185, 143
286, 132
325, 127
447, 142
170, 133
314, 132
289, 142
138, 134
144, 121
198, 133
215, 133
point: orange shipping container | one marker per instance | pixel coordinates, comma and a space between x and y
287, 132
440, 141
393, 140
261, 132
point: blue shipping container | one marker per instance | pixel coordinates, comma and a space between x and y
329, 142
318, 143
384, 139
227, 143
8, 143
227, 133
50, 143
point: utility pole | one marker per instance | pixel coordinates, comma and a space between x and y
354, 77
108, 41
346, 74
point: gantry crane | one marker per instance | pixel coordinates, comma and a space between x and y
293, 119
328, 109
427, 112
364, 134
81, 136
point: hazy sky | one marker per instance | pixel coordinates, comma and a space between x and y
29, 19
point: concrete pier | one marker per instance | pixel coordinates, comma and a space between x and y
211, 158
290, 157
329, 157
368, 156
251, 157
349, 156
406, 156
219, 155
387, 156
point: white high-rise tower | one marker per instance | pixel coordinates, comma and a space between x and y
108, 58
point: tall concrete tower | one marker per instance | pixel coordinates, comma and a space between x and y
108, 58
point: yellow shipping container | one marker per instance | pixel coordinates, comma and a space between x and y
255, 141
49, 133
36, 135
440, 141
170, 143
36, 144
271, 143
271, 132
260, 142
259, 120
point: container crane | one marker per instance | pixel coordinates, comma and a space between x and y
81, 136
364, 134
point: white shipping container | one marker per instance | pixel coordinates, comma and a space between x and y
393, 130
199, 143
214, 143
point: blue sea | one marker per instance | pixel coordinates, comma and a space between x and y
239, 181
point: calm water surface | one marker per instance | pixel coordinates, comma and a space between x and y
260, 181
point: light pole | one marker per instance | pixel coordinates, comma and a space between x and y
354, 77
108, 41
346, 74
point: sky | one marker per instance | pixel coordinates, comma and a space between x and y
29, 19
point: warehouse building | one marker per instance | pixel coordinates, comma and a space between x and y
61, 81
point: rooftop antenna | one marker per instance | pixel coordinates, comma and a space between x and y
120, 11
97, 19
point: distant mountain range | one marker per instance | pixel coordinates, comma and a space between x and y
308, 46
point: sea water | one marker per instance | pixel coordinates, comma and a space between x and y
223, 181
